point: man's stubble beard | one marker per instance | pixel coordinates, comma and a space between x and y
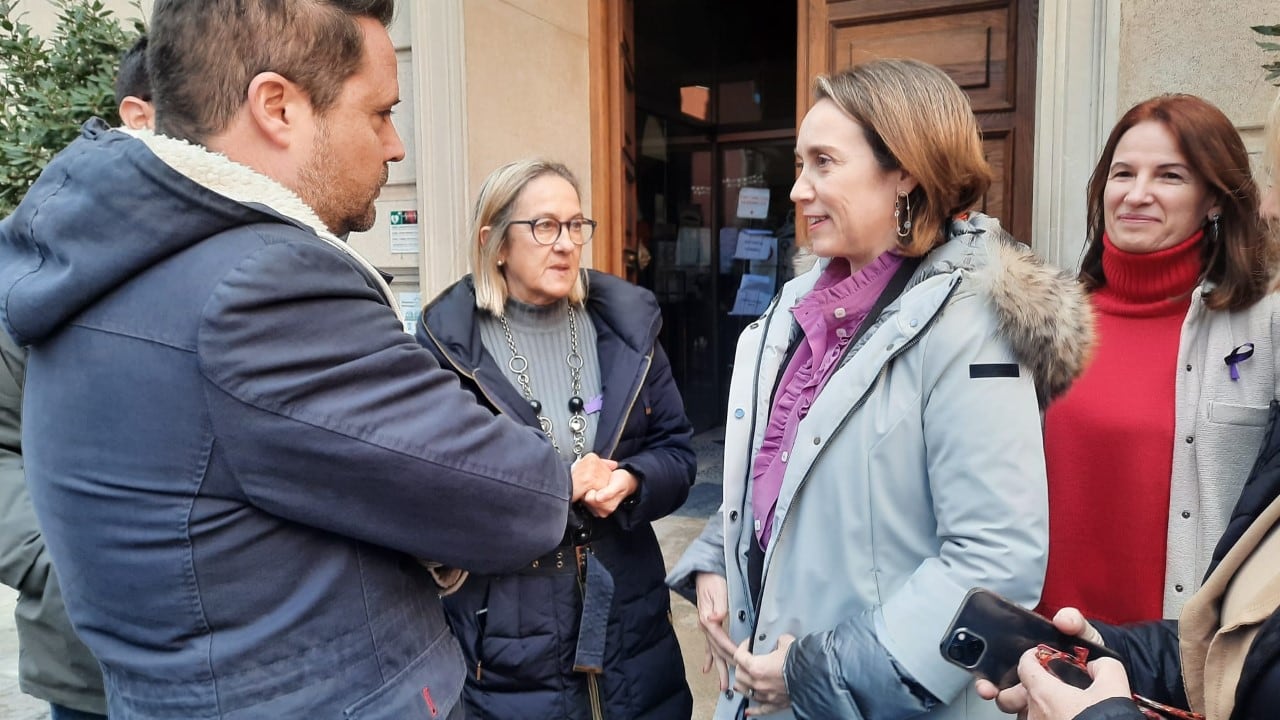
320, 187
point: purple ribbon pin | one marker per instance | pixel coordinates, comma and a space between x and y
1237, 356
594, 404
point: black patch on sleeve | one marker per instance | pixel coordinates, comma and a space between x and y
993, 370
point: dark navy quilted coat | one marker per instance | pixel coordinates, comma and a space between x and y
519, 632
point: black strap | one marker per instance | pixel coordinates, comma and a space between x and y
890, 293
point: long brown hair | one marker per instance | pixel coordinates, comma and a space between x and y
1239, 260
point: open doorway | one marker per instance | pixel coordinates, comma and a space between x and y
715, 98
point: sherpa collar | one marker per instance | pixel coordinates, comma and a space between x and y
245, 185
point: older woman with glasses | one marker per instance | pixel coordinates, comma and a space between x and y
583, 632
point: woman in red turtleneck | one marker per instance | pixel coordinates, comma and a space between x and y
1147, 452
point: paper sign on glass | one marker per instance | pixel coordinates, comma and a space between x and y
755, 245
754, 294
753, 203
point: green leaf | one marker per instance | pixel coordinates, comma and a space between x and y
50, 86
1272, 30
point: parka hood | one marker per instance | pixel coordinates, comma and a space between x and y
114, 203
1043, 313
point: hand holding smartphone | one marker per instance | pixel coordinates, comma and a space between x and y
989, 634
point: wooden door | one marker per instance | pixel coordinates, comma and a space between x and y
613, 136
988, 48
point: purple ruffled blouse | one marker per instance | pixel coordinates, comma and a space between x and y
829, 315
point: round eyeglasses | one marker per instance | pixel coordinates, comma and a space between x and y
546, 230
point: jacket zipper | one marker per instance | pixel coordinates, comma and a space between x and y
884, 367
593, 681
635, 395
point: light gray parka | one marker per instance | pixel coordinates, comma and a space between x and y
917, 474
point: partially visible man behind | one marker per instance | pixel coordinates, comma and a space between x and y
232, 448
133, 88
53, 664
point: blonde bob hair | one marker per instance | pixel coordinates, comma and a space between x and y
494, 205
915, 118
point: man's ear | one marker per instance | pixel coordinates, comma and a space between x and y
277, 107
137, 114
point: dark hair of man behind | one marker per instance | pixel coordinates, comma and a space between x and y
209, 51
133, 78
1240, 260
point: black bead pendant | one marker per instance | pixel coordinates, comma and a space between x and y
575, 404
537, 407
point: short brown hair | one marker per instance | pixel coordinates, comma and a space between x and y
208, 51
1240, 260
494, 205
916, 118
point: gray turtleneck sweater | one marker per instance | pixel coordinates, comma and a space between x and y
541, 334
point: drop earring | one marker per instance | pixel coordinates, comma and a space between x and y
903, 222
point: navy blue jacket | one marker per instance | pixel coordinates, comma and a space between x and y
519, 630
236, 452
1150, 650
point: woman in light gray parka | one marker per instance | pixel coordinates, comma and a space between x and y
875, 471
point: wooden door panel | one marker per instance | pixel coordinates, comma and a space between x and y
998, 149
970, 46
986, 46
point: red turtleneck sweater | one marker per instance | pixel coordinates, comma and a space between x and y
1109, 442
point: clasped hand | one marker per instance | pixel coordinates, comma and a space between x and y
759, 677
1042, 696
601, 485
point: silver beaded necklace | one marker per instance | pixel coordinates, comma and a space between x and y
519, 366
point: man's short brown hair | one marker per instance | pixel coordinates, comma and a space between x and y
209, 51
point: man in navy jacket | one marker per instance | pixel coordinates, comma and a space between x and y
236, 454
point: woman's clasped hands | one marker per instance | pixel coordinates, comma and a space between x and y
600, 485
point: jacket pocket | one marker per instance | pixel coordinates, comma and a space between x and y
426, 688
1238, 414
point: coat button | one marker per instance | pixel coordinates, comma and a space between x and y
1188, 367
1185, 514
739, 413
817, 441
1190, 439
755, 325
838, 312
728, 694
1178, 587
742, 616
733, 516
761, 636
914, 322
888, 348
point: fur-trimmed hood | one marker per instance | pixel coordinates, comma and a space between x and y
1043, 312
114, 203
